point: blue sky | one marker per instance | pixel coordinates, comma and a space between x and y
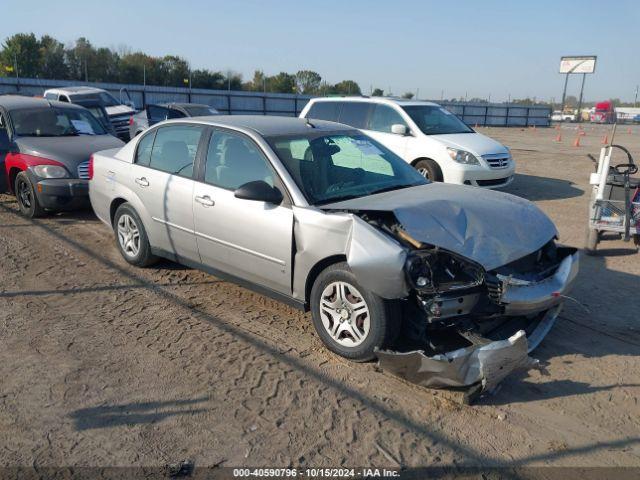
480, 48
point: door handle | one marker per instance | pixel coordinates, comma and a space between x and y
142, 181
205, 201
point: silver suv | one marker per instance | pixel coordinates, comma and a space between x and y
325, 218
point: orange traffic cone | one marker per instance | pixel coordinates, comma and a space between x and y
576, 143
476, 126
605, 140
629, 130
559, 138
557, 127
582, 133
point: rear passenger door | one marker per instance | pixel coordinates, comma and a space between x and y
162, 177
378, 127
250, 240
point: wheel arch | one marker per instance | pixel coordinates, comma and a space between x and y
115, 203
315, 272
13, 173
415, 162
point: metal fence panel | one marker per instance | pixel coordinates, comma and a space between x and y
266, 103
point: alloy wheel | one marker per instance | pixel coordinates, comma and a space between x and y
128, 235
345, 314
424, 172
24, 194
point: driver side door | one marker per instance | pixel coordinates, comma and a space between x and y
250, 240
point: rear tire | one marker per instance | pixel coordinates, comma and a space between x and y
591, 244
27, 200
131, 237
429, 169
350, 320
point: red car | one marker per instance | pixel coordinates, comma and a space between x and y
44, 152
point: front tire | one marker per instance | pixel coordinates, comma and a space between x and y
350, 320
429, 169
131, 237
27, 200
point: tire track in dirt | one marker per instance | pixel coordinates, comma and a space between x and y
258, 404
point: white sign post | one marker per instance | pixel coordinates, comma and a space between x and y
578, 64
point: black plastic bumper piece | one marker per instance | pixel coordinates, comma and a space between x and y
63, 193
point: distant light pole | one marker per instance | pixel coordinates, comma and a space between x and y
635, 101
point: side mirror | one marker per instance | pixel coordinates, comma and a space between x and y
399, 129
259, 191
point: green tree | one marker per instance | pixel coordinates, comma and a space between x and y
407, 95
173, 71
51, 62
377, 92
23, 49
203, 78
138, 67
347, 87
79, 58
258, 83
308, 82
233, 80
282, 83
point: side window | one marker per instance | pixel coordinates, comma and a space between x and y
233, 160
324, 111
50, 96
174, 149
63, 98
145, 145
354, 114
156, 113
383, 117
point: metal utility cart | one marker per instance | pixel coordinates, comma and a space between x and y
615, 199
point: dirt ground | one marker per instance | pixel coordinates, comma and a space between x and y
103, 364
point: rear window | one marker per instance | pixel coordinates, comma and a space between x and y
354, 114
324, 111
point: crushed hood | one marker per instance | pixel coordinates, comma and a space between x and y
70, 151
491, 228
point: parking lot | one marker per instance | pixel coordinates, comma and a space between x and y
106, 365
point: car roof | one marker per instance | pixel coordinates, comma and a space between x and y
268, 125
13, 102
382, 100
78, 89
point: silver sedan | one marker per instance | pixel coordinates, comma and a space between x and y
321, 216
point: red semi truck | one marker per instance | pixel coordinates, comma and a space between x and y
604, 112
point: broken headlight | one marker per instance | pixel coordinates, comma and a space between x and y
439, 272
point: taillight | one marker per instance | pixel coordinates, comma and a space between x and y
131, 120
90, 167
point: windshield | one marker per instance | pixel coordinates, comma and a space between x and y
332, 167
198, 111
435, 120
54, 122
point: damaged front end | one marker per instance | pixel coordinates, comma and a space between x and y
466, 325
